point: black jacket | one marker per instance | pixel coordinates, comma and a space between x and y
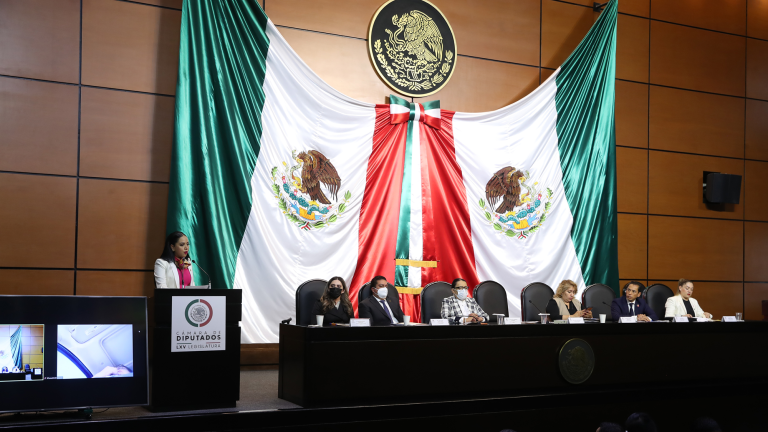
332, 316
368, 309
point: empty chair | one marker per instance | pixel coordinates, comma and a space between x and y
432, 299
492, 298
365, 292
534, 298
307, 294
599, 298
656, 296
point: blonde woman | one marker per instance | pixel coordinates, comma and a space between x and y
564, 304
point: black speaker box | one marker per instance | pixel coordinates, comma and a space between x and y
722, 188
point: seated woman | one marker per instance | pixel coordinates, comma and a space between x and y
174, 268
334, 304
683, 304
460, 308
564, 304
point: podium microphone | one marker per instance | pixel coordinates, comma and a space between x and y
206, 273
537, 308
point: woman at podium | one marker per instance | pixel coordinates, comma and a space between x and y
334, 304
174, 268
564, 304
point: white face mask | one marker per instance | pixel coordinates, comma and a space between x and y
382, 293
462, 294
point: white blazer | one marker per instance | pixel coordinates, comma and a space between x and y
675, 307
166, 275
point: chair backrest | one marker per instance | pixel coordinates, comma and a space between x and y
539, 293
599, 298
307, 294
365, 292
656, 296
492, 298
432, 299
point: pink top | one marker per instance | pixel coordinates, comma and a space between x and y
185, 277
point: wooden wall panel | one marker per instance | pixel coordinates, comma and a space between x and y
697, 59
38, 126
756, 145
728, 16
694, 122
40, 39
755, 251
115, 283
757, 69
483, 85
121, 225
126, 135
633, 246
176, 4
754, 294
342, 17
675, 185
545, 74
635, 7
717, 298
631, 114
324, 54
755, 186
757, 19
696, 249
37, 219
37, 282
130, 46
632, 48
563, 26
632, 180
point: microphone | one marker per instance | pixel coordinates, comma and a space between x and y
206, 273
537, 308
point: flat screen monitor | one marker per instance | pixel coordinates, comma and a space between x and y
73, 352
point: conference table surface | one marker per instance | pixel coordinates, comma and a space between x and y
342, 366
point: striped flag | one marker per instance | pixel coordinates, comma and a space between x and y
277, 178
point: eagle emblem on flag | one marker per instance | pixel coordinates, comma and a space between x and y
514, 207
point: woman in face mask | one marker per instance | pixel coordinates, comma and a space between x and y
460, 308
334, 304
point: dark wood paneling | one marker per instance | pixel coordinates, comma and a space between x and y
115, 283
632, 180
546, 73
676, 185
754, 294
484, 85
635, 7
176, 4
38, 127
632, 48
130, 46
631, 114
259, 354
37, 282
694, 122
728, 16
696, 249
343, 17
755, 251
563, 27
756, 146
126, 135
40, 39
697, 59
121, 225
757, 19
757, 69
756, 191
718, 298
633, 246
37, 221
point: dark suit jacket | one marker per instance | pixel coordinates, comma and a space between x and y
332, 316
619, 308
369, 309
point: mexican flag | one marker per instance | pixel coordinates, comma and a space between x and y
277, 178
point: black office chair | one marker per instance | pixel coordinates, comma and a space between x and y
307, 294
365, 292
492, 298
432, 299
656, 296
599, 298
539, 294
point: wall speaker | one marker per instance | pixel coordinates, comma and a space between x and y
721, 188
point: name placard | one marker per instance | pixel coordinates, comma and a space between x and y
359, 322
439, 322
729, 319
681, 319
579, 320
632, 319
508, 320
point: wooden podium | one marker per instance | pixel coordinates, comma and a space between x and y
197, 379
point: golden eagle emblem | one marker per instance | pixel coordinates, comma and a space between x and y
317, 169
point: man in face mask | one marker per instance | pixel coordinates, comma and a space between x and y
460, 308
380, 309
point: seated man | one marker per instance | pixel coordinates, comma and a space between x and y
378, 308
630, 304
460, 308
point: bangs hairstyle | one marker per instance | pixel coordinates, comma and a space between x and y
564, 285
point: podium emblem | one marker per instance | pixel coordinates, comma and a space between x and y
577, 361
199, 313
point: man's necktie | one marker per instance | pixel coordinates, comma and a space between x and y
384, 305
632, 308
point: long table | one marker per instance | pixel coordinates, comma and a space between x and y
343, 366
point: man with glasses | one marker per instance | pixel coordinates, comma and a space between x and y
630, 304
